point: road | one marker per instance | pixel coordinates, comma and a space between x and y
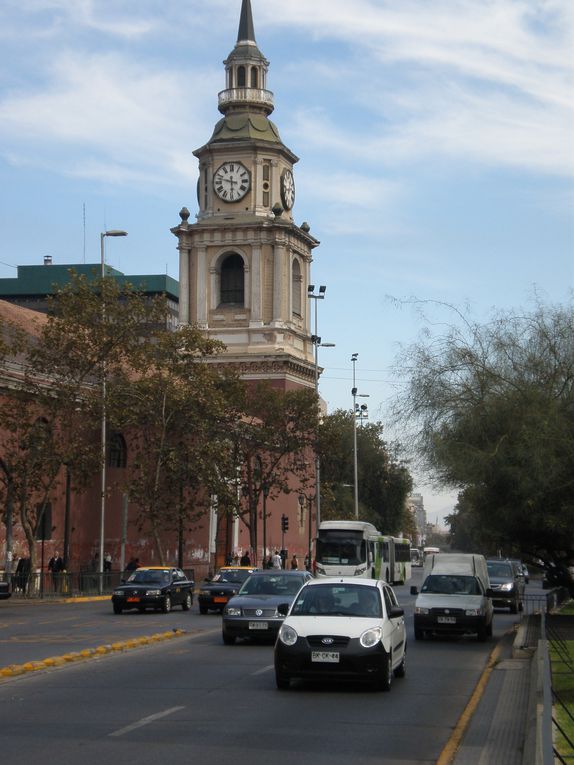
193, 697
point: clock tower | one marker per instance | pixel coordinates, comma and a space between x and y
244, 263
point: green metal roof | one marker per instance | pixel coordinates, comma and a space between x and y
48, 279
245, 126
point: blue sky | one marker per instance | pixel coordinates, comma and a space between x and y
436, 143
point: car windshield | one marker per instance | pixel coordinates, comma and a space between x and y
233, 576
338, 599
499, 569
149, 577
449, 584
272, 584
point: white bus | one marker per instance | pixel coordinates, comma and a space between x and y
346, 548
357, 548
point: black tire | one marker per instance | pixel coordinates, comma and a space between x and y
521, 606
202, 609
482, 633
385, 680
489, 628
141, 609
514, 607
282, 680
228, 639
166, 605
401, 670
187, 601
117, 609
419, 634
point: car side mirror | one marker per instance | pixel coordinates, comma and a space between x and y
396, 611
283, 609
414, 590
489, 593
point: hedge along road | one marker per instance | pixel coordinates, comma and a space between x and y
34, 630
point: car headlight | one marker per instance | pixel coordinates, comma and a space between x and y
233, 611
420, 610
320, 570
360, 571
287, 635
119, 593
153, 592
507, 586
371, 637
473, 612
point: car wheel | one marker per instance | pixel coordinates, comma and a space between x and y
187, 601
141, 609
489, 629
202, 609
482, 633
514, 607
228, 639
282, 680
385, 679
166, 607
401, 670
117, 609
419, 634
521, 606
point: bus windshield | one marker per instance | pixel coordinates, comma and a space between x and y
345, 548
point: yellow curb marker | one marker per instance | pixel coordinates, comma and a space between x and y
13, 670
449, 752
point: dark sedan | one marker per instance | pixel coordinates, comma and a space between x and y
506, 583
253, 612
215, 593
157, 587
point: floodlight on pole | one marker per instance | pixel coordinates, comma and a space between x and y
355, 395
103, 235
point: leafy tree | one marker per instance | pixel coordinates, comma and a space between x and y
492, 410
384, 482
270, 449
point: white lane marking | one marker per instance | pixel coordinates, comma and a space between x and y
145, 721
261, 671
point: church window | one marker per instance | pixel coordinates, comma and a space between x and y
117, 451
241, 77
254, 82
296, 282
232, 281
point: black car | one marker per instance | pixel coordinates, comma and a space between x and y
254, 611
506, 583
157, 587
215, 593
5, 591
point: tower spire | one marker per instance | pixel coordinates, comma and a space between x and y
246, 31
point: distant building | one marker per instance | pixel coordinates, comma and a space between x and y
34, 285
416, 504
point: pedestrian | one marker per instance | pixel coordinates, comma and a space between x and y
294, 563
276, 561
56, 566
307, 563
133, 564
245, 559
23, 574
268, 562
107, 562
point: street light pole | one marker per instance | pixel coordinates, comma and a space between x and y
354, 393
103, 235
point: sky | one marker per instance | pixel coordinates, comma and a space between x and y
436, 145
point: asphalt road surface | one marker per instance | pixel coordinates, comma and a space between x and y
193, 697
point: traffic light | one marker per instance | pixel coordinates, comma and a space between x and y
284, 523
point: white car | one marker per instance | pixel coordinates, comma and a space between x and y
343, 628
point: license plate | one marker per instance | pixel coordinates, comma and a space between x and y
331, 657
133, 600
446, 619
257, 625
220, 600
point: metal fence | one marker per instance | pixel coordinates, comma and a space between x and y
544, 602
73, 584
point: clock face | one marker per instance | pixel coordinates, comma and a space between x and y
287, 189
231, 181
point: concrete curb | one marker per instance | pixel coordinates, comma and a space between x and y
14, 670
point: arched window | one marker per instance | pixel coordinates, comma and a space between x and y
232, 281
254, 78
117, 451
296, 282
241, 77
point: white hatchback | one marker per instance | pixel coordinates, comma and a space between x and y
343, 628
